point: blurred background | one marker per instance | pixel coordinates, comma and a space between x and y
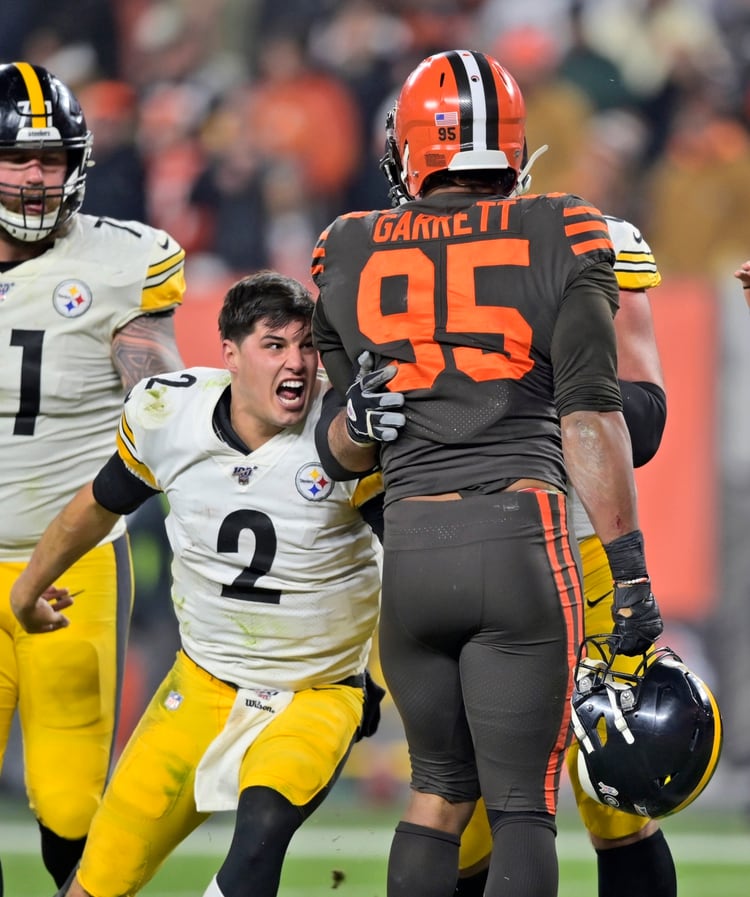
244, 126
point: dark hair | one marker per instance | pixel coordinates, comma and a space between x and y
501, 181
267, 296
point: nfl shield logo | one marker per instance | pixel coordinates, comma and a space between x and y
173, 700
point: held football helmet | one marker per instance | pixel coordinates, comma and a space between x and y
650, 740
37, 111
457, 111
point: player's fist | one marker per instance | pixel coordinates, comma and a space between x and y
638, 623
370, 414
42, 614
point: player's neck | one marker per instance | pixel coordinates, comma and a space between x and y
17, 251
251, 430
13, 252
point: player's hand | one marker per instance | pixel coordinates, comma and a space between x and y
43, 614
374, 694
636, 615
370, 414
743, 275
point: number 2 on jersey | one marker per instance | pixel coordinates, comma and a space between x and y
418, 324
244, 586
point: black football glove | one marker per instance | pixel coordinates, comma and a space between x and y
370, 416
374, 694
637, 619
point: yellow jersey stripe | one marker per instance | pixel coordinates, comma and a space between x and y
133, 464
164, 294
172, 261
636, 280
368, 487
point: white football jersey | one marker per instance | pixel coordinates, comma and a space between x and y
635, 268
60, 395
276, 577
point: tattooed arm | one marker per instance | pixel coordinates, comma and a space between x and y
145, 346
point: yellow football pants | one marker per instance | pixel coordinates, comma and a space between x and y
149, 806
66, 687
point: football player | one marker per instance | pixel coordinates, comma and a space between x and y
643, 863
493, 313
86, 310
632, 853
276, 583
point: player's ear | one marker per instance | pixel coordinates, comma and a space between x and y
229, 352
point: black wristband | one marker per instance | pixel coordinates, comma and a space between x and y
627, 559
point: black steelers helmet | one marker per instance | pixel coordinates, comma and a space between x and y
37, 111
650, 740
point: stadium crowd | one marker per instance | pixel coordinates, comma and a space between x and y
243, 127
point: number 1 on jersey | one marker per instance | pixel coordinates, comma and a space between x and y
30, 341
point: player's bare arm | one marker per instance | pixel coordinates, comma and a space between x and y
637, 352
81, 524
373, 414
597, 453
353, 456
145, 346
598, 457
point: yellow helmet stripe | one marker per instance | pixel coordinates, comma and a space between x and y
716, 746
36, 97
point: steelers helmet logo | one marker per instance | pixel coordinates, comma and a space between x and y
72, 298
312, 482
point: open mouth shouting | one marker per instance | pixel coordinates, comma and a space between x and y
292, 393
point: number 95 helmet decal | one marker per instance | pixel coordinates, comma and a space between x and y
457, 111
38, 112
650, 740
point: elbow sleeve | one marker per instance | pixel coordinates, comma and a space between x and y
118, 490
644, 406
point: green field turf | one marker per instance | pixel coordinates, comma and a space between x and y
344, 848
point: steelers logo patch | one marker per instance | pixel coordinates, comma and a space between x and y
72, 298
312, 482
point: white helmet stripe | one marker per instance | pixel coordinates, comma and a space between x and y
479, 105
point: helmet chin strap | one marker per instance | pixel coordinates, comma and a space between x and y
620, 722
619, 719
580, 732
594, 674
391, 166
523, 184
